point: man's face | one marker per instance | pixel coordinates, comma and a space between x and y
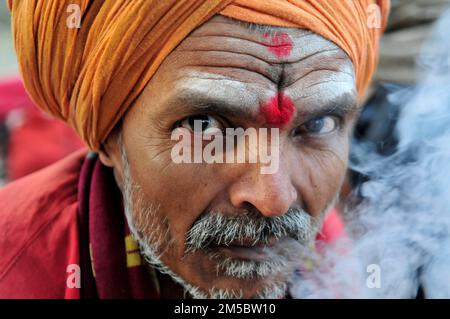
227, 227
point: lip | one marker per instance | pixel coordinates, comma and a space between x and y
242, 252
246, 243
247, 250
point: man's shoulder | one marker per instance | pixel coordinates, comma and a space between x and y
38, 223
38, 196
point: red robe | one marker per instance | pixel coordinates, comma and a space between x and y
39, 232
70, 213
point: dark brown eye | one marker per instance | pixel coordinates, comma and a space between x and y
201, 124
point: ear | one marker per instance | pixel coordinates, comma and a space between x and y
105, 156
109, 153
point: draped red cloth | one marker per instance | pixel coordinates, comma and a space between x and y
103, 228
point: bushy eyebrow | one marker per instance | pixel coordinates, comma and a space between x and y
343, 104
193, 102
189, 103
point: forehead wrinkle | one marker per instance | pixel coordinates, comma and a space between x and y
302, 49
234, 42
199, 90
281, 75
231, 44
226, 49
215, 58
325, 56
330, 61
251, 85
250, 77
254, 36
246, 30
324, 82
316, 76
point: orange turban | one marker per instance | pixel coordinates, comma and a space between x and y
90, 76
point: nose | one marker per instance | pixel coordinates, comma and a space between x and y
271, 194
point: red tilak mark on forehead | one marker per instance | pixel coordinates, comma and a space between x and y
278, 111
280, 44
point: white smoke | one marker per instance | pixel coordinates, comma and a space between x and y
400, 229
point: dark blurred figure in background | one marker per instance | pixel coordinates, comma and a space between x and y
410, 23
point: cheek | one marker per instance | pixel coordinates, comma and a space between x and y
182, 191
321, 177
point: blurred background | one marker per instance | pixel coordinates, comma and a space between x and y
8, 64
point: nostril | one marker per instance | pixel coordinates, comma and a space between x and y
265, 211
248, 206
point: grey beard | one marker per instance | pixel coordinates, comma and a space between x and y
219, 229
150, 242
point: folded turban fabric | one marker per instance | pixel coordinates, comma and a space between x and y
90, 76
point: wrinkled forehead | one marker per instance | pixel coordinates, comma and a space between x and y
227, 58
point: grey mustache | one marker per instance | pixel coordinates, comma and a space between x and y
249, 226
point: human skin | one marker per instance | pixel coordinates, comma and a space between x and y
225, 62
